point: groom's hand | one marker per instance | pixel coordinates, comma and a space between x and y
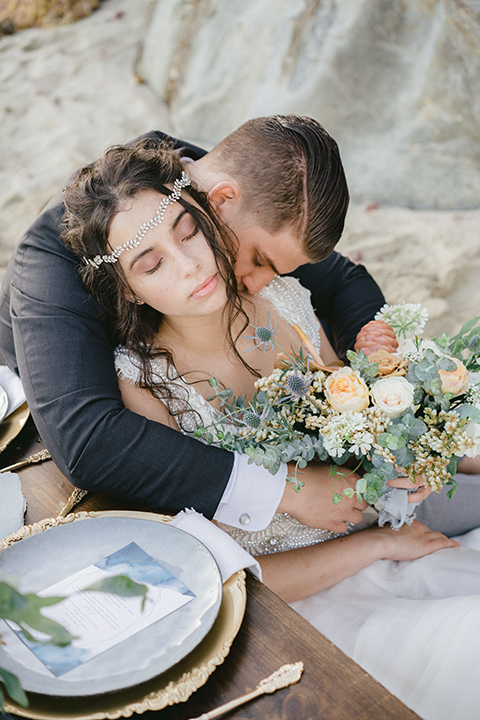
313, 505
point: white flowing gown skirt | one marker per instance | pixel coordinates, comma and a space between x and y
414, 626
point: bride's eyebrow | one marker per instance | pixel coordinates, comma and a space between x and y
147, 250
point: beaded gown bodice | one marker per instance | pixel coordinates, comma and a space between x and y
290, 301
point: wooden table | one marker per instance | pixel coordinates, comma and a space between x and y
332, 687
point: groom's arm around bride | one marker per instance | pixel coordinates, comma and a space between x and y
52, 333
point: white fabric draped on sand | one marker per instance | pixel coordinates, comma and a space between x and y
414, 626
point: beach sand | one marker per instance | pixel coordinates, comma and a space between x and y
69, 92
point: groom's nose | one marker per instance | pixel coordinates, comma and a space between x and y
258, 278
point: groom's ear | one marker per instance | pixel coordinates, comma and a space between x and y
226, 197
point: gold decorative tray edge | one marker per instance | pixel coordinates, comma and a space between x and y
175, 685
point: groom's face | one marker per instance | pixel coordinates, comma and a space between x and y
262, 255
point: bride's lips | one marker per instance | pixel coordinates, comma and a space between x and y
205, 287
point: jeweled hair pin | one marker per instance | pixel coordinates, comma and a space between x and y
157, 219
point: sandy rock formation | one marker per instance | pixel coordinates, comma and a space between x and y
396, 83
20, 14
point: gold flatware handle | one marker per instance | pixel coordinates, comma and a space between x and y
74, 498
285, 676
35, 458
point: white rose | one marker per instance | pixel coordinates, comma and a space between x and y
473, 430
392, 395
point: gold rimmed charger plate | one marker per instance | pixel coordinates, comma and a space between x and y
175, 685
12, 424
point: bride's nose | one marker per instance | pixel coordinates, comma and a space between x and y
189, 263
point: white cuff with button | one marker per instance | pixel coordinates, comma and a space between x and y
252, 495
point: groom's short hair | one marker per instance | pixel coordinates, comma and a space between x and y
290, 174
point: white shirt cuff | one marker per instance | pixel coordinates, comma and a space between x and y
252, 495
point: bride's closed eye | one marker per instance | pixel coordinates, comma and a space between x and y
190, 227
154, 268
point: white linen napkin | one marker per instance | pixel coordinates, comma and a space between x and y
13, 387
12, 505
229, 555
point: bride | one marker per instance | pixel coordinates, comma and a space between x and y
404, 604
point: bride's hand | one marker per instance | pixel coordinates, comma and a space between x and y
412, 541
313, 504
422, 491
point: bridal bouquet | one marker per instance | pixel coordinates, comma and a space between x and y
404, 406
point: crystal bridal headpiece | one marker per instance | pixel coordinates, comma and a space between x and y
183, 181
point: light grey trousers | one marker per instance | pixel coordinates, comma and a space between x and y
455, 516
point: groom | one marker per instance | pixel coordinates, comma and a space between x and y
52, 334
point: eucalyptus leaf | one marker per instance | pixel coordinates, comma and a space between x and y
240, 403
361, 485
417, 428
270, 458
431, 356
436, 386
453, 489
378, 460
418, 394
25, 611
468, 411
120, 585
32, 618
13, 688
370, 495
447, 365
383, 438
11, 601
467, 327
397, 442
452, 465
405, 457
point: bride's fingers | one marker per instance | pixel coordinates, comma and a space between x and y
434, 538
419, 494
438, 543
415, 541
404, 482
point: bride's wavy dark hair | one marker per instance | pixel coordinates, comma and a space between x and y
92, 199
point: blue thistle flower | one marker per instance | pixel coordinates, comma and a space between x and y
252, 419
474, 343
264, 335
298, 385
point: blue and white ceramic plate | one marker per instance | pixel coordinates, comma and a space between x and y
48, 557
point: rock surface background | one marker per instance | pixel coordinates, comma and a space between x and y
397, 84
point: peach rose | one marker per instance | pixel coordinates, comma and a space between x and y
455, 382
388, 364
346, 391
392, 395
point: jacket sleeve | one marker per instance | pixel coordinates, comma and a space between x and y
51, 333
345, 298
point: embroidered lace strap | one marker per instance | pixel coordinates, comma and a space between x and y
292, 302
202, 411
